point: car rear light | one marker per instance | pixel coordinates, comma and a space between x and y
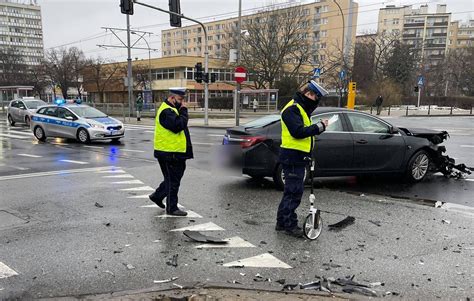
251, 141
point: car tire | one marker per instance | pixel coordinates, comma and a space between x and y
39, 133
10, 120
279, 177
27, 121
83, 136
418, 167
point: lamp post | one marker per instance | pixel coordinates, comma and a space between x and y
239, 45
149, 56
343, 52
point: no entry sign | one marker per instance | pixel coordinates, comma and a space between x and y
240, 74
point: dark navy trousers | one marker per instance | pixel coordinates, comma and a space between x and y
173, 171
294, 188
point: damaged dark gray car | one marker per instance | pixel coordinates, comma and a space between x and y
354, 144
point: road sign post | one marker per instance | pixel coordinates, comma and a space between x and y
420, 85
240, 76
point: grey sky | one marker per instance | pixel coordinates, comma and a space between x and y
68, 21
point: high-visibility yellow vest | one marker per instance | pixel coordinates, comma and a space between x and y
290, 142
166, 140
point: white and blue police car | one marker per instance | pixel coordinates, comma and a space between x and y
71, 119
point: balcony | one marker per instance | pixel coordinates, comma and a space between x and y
440, 34
435, 45
436, 56
409, 35
419, 24
440, 23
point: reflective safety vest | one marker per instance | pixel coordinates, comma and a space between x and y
290, 142
166, 140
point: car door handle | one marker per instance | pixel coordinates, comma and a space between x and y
361, 141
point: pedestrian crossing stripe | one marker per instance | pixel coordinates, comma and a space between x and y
141, 188
265, 260
128, 182
143, 196
14, 136
201, 227
30, 156
6, 271
233, 242
20, 133
126, 176
111, 171
74, 162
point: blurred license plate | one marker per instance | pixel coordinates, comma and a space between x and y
115, 132
225, 141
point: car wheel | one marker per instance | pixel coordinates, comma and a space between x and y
10, 120
279, 177
39, 133
83, 135
418, 167
27, 121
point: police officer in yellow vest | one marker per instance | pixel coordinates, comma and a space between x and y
173, 147
297, 142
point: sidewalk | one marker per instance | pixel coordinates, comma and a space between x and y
219, 123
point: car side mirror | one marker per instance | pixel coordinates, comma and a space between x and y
70, 118
393, 130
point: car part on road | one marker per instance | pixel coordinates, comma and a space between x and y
199, 237
173, 261
39, 133
342, 224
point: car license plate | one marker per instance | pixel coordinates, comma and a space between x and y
115, 132
225, 140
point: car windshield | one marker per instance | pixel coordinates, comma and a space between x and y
34, 104
87, 112
263, 121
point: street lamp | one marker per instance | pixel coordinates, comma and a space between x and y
343, 53
149, 56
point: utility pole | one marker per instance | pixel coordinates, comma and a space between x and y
129, 70
343, 64
239, 45
206, 55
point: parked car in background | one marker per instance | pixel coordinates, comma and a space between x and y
355, 143
21, 110
76, 121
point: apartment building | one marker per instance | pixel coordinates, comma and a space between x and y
426, 32
461, 35
322, 20
21, 29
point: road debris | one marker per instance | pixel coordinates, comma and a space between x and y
446, 222
199, 237
360, 290
178, 286
129, 266
109, 272
377, 223
342, 224
289, 287
312, 285
438, 204
165, 280
98, 205
281, 281
173, 261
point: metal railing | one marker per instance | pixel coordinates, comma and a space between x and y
428, 110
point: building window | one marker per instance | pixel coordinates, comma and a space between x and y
324, 21
324, 33
325, 9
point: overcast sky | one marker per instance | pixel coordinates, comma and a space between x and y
79, 22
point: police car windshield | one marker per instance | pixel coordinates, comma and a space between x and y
87, 112
34, 104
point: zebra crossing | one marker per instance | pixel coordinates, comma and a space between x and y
264, 260
19, 133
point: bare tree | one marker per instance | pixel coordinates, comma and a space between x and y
102, 74
275, 44
64, 67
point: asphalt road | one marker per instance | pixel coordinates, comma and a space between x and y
74, 219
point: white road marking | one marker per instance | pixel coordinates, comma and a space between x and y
30, 156
466, 145
126, 176
470, 180
52, 173
74, 162
149, 206
13, 136
143, 196
95, 147
204, 143
201, 227
132, 150
6, 272
233, 242
215, 135
111, 171
21, 133
17, 167
128, 182
59, 143
141, 188
265, 260
150, 132
191, 214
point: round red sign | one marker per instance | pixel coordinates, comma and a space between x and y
240, 74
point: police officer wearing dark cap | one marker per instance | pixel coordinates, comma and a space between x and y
173, 147
297, 144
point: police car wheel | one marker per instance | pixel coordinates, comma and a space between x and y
10, 120
39, 133
83, 136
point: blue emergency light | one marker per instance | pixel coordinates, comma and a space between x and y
59, 101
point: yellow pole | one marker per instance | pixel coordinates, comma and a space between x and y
351, 96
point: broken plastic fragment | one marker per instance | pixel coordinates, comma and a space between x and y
343, 223
178, 286
311, 285
98, 205
129, 266
360, 290
165, 280
446, 221
199, 237
173, 261
289, 287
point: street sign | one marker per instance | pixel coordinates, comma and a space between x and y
317, 72
342, 74
240, 74
420, 80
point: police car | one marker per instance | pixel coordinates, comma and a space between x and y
71, 119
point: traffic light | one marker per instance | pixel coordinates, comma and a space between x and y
416, 89
126, 7
175, 7
213, 77
198, 76
206, 77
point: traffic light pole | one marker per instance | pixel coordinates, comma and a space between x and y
129, 70
206, 56
419, 96
239, 45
